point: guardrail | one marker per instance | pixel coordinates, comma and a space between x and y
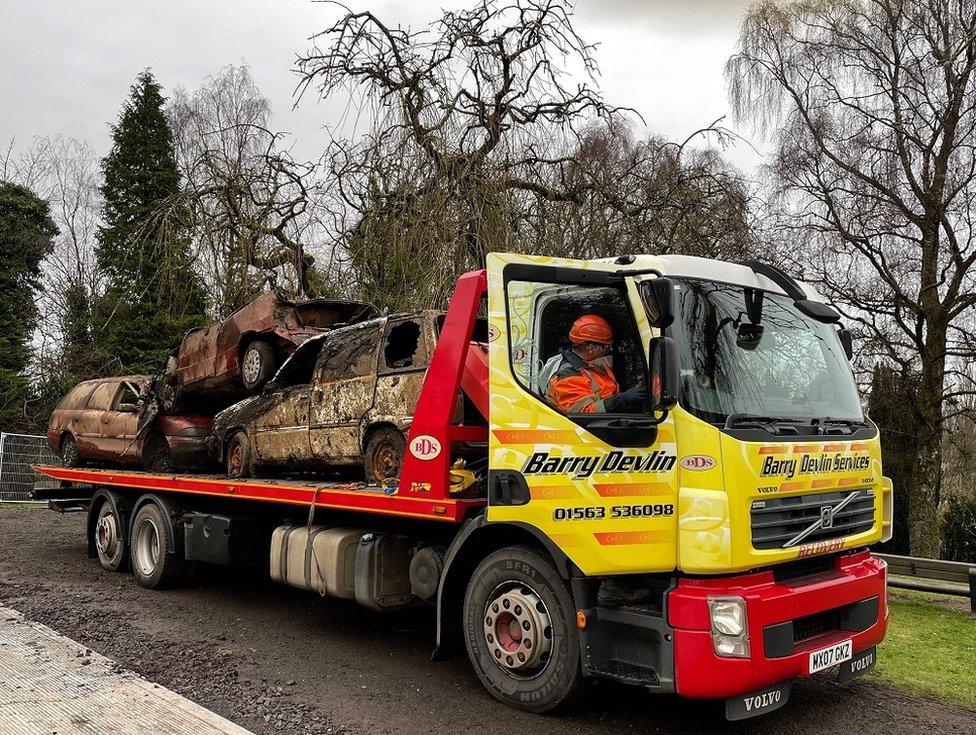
919, 573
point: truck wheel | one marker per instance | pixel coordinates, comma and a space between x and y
384, 454
257, 365
520, 630
148, 540
239, 456
69, 452
156, 455
109, 541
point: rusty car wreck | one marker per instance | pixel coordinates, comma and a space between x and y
223, 362
99, 422
344, 398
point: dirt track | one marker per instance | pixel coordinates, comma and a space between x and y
278, 660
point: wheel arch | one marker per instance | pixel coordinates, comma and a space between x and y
476, 539
372, 428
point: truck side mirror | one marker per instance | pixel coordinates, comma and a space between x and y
664, 374
847, 340
658, 296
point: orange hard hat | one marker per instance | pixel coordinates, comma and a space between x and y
591, 328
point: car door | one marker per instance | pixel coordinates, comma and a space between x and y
345, 384
281, 433
123, 421
93, 431
407, 345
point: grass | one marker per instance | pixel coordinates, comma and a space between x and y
930, 647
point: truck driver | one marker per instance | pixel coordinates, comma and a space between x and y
580, 379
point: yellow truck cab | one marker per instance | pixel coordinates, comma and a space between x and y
754, 491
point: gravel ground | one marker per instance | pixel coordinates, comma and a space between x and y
282, 661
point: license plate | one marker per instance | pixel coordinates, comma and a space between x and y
824, 658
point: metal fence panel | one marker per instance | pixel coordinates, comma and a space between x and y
18, 452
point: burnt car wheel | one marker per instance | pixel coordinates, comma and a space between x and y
384, 454
257, 365
69, 452
239, 456
156, 455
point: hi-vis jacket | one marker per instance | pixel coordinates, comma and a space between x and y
574, 386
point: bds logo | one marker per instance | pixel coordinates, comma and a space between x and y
425, 447
698, 462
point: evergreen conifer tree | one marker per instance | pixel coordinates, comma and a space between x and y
26, 231
152, 294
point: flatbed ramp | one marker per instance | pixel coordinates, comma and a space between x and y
50, 685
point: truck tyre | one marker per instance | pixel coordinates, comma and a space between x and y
238, 458
520, 630
149, 538
109, 533
384, 454
156, 455
257, 365
69, 452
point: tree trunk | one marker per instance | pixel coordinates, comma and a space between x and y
923, 495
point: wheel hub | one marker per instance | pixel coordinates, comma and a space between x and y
252, 366
147, 547
518, 629
107, 536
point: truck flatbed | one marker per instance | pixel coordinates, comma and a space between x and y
336, 495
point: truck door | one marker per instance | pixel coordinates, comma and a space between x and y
601, 485
344, 385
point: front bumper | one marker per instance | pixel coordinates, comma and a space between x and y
847, 602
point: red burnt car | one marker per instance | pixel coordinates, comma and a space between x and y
98, 421
240, 354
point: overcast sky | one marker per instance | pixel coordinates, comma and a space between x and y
66, 66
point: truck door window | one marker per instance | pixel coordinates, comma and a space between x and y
541, 316
403, 347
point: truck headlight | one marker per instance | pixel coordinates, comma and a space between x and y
730, 627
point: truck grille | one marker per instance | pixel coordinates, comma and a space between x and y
775, 521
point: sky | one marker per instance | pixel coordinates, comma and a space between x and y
65, 67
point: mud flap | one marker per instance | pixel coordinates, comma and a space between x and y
758, 703
860, 664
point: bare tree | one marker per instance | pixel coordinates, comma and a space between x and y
650, 195
873, 107
467, 110
245, 201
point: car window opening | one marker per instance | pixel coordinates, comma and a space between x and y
402, 345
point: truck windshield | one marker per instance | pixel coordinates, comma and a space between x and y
794, 367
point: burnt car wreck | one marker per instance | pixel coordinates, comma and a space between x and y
219, 364
344, 398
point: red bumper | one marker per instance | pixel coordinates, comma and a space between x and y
699, 672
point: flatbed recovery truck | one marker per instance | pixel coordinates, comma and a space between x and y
712, 544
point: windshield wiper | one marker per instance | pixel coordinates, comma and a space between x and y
839, 422
745, 420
